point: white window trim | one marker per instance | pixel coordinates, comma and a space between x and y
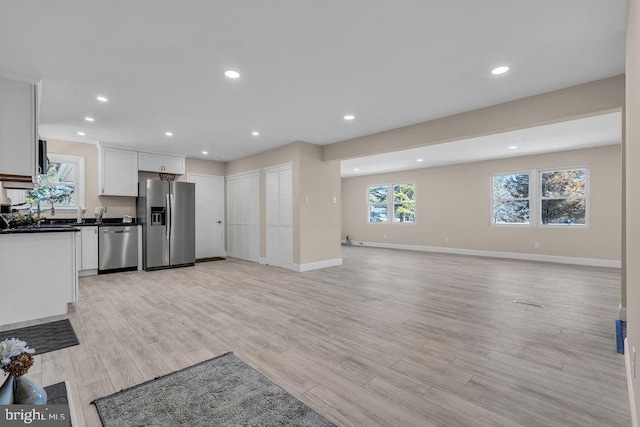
587, 197
535, 198
391, 204
531, 199
80, 179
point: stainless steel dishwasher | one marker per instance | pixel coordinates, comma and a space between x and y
117, 248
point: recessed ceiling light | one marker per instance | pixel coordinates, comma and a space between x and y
205, 152
102, 98
169, 133
500, 70
349, 117
255, 133
419, 160
512, 147
81, 133
232, 74
90, 119
356, 170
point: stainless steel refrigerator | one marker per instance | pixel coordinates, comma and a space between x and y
167, 210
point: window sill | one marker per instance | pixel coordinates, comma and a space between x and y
565, 226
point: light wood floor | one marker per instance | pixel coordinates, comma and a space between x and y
390, 338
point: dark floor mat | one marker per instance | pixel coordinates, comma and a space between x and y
45, 337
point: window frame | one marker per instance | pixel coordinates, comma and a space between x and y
586, 197
531, 199
391, 203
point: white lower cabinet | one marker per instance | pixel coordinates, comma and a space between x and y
39, 275
89, 251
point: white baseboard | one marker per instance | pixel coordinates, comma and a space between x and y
496, 254
262, 261
622, 313
632, 401
317, 265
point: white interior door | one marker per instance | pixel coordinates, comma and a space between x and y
279, 213
209, 215
243, 216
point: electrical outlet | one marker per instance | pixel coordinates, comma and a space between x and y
335, 200
384, 237
536, 245
446, 240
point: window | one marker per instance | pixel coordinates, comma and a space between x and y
402, 205
563, 196
378, 203
62, 185
547, 197
404, 202
510, 198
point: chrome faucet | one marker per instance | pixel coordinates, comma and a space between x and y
100, 214
40, 211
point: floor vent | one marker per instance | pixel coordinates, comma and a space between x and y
215, 258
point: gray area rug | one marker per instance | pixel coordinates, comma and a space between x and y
223, 391
57, 395
45, 337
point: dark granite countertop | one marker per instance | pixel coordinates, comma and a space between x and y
66, 225
41, 229
88, 223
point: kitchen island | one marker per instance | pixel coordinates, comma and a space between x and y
38, 273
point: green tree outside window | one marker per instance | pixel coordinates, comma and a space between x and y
56, 187
402, 204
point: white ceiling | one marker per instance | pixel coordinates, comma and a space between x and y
570, 135
304, 64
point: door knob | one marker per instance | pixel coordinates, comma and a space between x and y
219, 222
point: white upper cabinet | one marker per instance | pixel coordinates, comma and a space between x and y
150, 162
18, 130
118, 172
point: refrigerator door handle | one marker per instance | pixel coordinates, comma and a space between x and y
173, 206
168, 225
